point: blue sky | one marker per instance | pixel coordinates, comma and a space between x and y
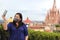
34, 9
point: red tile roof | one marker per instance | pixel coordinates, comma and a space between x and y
27, 20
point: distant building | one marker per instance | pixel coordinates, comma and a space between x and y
53, 16
35, 25
10, 19
27, 21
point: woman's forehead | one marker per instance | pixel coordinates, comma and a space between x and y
16, 15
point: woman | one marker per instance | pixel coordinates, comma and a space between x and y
17, 29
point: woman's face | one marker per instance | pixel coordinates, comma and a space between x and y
17, 17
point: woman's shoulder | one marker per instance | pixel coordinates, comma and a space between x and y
24, 25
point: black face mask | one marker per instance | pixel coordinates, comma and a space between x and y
16, 20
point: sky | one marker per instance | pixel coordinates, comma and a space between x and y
36, 10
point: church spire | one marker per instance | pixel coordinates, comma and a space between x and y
54, 4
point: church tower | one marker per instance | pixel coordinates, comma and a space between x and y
53, 15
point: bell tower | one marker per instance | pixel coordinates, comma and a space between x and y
53, 15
